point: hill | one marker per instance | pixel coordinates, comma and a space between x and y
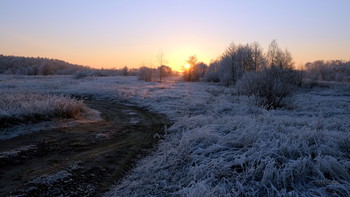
37, 66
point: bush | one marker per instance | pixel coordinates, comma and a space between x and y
145, 74
270, 87
80, 74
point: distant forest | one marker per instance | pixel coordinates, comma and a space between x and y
37, 66
334, 70
15, 65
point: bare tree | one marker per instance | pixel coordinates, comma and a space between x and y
212, 72
191, 61
145, 74
272, 54
276, 57
164, 71
161, 63
259, 60
236, 60
125, 71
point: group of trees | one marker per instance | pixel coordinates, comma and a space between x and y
15, 65
269, 77
90, 72
334, 70
196, 70
44, 66
36, 66
154, 74
240, 59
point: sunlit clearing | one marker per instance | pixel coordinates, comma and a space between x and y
187, 66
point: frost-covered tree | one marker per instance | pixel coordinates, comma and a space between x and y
212, 72
164, 71
334, 70
259, 60
191, 61
236, 60
145, 73
45, 69
196, 69
36, 66
125, 71
276, 57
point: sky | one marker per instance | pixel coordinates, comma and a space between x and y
117, 33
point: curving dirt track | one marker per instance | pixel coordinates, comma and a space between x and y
84, 160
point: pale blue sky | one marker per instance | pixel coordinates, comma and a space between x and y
117, 33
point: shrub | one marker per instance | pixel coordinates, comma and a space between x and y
145, 74
270, 87
80, 75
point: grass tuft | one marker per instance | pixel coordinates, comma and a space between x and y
20, 108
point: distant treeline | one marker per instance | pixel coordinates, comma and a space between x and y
243, 59
15, 65
334, 70
37, 66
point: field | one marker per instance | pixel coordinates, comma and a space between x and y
219, 143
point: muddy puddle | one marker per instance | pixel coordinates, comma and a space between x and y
83, 160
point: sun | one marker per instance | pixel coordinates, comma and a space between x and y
187, 66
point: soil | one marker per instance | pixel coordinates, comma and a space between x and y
83, 160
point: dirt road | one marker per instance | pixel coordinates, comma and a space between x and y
84, 160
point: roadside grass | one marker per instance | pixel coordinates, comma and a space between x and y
18, 108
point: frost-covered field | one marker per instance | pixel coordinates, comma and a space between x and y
223, 145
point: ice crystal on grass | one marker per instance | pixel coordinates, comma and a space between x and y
25, 107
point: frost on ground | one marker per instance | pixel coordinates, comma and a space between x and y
28, 107
223, 145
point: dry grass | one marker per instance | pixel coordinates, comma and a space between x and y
25, 108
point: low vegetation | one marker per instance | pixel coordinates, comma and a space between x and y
24, 108
269, 87
221, 144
